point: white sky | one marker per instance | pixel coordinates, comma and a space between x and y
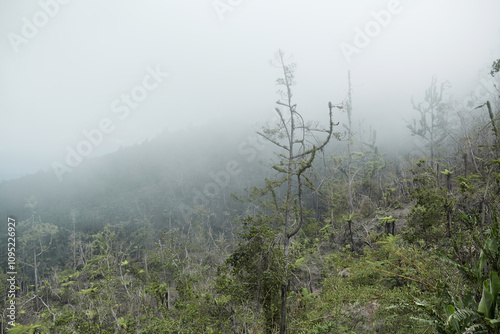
65, 78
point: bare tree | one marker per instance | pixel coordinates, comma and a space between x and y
349, 172
298, 141
37, 239
432, 123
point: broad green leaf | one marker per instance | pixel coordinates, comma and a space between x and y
486, 303
495, 284
450, 310
482, 261
493, 321
492, 245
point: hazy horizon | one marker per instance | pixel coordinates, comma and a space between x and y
69, 65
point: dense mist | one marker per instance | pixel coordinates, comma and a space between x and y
231, 166
74, 68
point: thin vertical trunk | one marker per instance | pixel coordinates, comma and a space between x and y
464, 156
437, 175
432, 140
259, 287
168, 296
448, 215
350, 233
284, 293
286, 241
74, 246
35, 267
349, 161
332, 216
349, 149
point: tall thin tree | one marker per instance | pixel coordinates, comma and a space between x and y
432, 125
299, 143
350, 177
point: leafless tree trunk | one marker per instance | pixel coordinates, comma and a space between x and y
298, 158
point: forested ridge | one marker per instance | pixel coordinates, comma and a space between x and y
297, 227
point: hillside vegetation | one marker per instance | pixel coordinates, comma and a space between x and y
302, 227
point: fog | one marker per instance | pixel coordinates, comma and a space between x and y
68, 66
